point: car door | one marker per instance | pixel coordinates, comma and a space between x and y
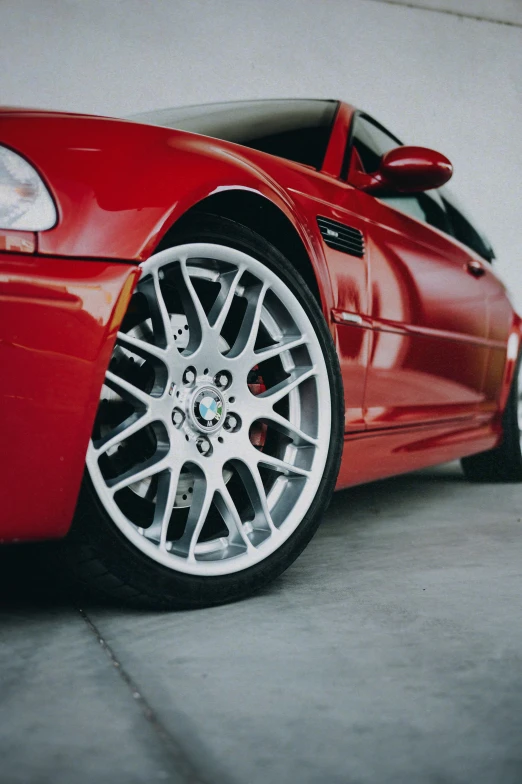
499, 309
429, 346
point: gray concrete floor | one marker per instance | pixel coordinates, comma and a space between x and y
390, 652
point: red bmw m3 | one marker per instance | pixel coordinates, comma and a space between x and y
213, 316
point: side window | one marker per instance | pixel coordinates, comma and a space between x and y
408, 204
465, 231
428, 207
371, 142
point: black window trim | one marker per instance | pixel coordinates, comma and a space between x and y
332, 126
345, 167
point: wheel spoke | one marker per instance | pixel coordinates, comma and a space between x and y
165, 498
133, 424
282, 425
221, 307
249, 329
274, 351
161, 327
196, 317
228, 511
281, 390
253, 484
140, 347
142, 471
202, 497
126, 390
276, 464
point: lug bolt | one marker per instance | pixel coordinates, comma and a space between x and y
178, 417
204, 446
232, 423
189, 376
222, 379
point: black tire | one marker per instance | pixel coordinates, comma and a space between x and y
504, 463
102, 557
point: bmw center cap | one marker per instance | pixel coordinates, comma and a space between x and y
207, 409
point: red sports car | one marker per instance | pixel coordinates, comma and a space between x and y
213, 316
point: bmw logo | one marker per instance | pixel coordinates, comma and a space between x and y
207, 409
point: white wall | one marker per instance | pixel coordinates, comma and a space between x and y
446, 81
508, 11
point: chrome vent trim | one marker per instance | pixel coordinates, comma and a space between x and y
340, 237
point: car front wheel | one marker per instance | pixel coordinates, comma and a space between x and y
218, 436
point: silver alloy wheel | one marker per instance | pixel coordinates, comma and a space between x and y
200, 412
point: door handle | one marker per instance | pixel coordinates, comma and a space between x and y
475, 268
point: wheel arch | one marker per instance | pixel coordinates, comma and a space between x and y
260, 214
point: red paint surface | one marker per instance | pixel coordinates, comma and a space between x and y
425, 373
409, 169
377, 455
58, 323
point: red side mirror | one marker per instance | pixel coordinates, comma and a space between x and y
409, 169
406, 170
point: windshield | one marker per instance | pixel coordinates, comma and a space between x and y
297, 130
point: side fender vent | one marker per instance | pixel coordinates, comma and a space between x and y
341, 237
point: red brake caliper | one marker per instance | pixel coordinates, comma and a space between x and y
256, 385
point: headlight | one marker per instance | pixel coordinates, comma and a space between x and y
25, 202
